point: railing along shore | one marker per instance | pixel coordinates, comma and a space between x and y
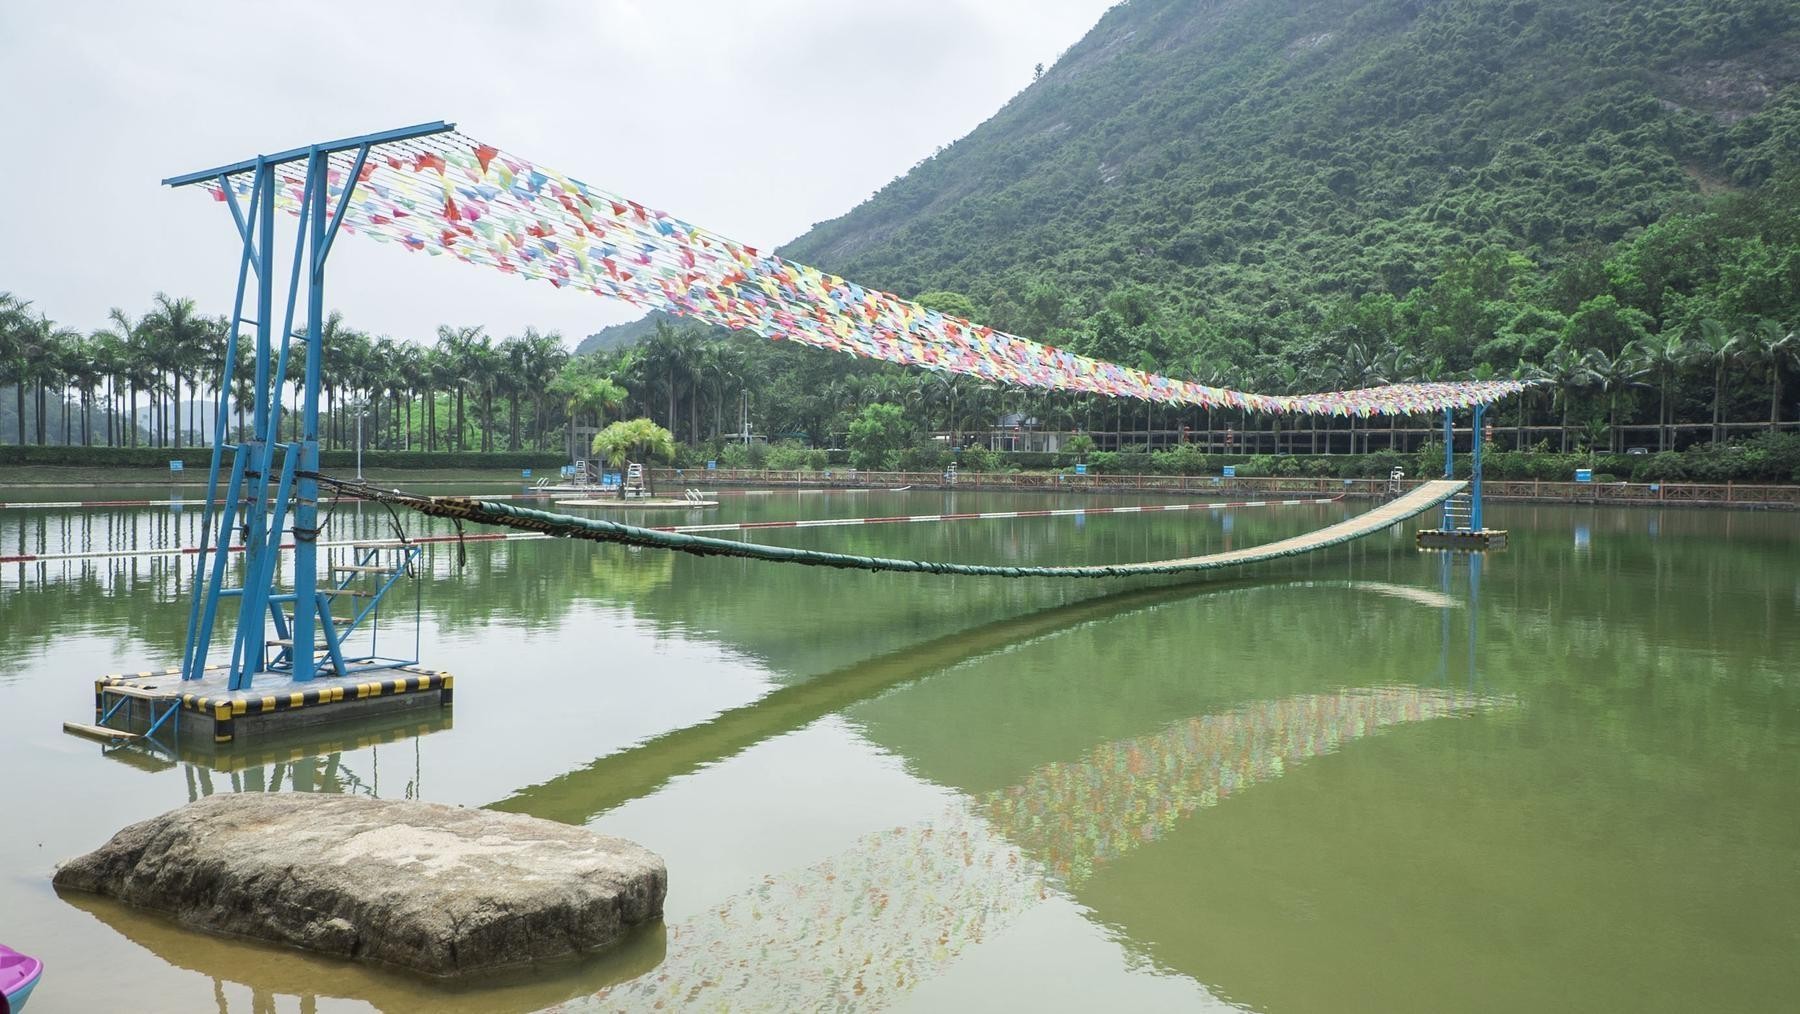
1680, 494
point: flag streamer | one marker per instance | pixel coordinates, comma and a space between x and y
449, 194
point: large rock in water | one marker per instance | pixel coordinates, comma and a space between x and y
437, 889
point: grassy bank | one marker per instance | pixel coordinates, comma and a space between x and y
1765, 458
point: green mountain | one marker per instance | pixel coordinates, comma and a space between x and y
620, 336
1238, 165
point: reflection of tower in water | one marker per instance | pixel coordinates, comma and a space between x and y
1446, 570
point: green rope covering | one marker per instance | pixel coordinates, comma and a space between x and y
507, 515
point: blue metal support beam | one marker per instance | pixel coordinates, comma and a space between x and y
296, 154
1475, 478
1449, 523
306, 513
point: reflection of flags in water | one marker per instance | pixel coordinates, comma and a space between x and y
865, 926
1073, 816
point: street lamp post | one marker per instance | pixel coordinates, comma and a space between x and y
361, 410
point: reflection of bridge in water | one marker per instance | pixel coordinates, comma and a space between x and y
870, 923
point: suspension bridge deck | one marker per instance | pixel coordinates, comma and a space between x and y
1419, 500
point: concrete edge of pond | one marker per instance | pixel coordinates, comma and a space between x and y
434, 889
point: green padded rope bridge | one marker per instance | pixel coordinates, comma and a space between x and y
488, 512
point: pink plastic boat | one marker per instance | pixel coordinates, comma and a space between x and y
19, 974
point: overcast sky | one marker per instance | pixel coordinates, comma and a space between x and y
756, 119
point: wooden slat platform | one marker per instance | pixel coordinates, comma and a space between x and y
98, 731
144, 693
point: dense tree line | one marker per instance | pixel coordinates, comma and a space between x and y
464, 392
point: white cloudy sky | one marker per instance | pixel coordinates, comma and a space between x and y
756, 118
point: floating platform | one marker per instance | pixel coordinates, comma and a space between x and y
209, 712
305, 756
641, 503
1462, 541
581, 488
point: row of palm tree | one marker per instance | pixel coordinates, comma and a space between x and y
466, 391
1766, 349
685, 377
173, 356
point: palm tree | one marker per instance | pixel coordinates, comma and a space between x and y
141, 373
673, 354
1664, 356
124, 349
243, 384
1401, 367
720, 363
43, 345
454, 348
1360, 367
1773, 346
109, 361
1614, 374
15, 324
443, 374
1720, 348
545, 355
1567, 373
343, 349
381, 381
585, 393
82, 367
482, 367
179, 338
1531, 375
412, 372
628, 439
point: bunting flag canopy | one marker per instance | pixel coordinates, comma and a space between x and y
448, 194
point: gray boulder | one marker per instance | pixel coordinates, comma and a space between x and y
437, 889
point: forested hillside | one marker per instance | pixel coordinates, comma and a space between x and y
1250, 161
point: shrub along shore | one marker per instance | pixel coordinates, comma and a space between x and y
1766, 458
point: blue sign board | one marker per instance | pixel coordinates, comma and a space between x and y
1230, 471
525, 473
712, 464
176, 466
1584, 475
1080, 469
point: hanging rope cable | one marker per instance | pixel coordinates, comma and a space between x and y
506, 515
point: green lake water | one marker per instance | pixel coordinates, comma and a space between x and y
1561, 777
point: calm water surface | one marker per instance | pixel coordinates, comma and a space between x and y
1563, 777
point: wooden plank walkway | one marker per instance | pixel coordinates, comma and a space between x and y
1386, 516
1419, 500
